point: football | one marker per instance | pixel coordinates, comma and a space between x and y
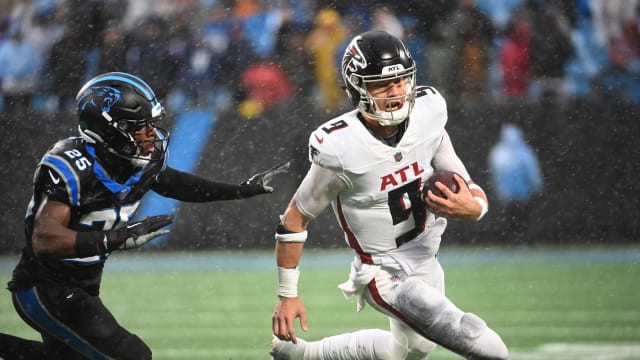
443, 176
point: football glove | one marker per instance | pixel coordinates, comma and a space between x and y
258, 183
137, 233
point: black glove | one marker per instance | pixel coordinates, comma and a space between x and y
137, 233
257, 184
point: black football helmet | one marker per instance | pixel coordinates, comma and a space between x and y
114, 105
378, 56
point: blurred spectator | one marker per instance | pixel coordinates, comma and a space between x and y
415, 43
246, 8
590, 56
434, 25
302, 12
454, 39
515, 59
20, 66
90, 18
5, 27
609, 17
180, 45
263, 85
473, 37
500, 11
67, 67
149, 54
517, 178
47, 27
551, 23
218, 34
624, 51
293, 58
229, 67
260, 24
322, 43
135, 11
113, 49
621, 78
386, 20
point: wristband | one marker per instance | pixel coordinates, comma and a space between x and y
288, 282
484, 205
90, 243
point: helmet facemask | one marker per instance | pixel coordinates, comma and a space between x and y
121, 140
368, 104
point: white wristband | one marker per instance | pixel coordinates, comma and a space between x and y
484, 205
288, 282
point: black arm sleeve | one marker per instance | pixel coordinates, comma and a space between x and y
187, 187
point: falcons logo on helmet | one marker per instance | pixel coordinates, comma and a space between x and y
353, 58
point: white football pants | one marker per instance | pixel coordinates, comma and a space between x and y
421, 316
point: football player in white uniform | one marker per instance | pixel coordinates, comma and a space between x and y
370, 165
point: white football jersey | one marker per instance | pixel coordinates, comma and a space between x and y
380, 208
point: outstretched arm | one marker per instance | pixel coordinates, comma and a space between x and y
188, 187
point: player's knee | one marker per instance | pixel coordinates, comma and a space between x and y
418, 300
472, 326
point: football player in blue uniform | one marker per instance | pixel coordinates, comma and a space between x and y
85, 192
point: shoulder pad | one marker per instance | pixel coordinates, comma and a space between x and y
322, 147
68, 159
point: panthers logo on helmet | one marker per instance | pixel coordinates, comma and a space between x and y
353, 58
106, 95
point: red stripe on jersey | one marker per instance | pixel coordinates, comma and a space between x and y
353, 242
375, 295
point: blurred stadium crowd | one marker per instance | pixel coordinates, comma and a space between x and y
565, 71
247, 55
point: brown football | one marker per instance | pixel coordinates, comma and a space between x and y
443, 176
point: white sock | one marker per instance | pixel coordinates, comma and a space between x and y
360, 345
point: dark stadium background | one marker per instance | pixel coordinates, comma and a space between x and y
588, 151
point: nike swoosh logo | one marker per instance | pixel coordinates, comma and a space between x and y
320, 139
56, 180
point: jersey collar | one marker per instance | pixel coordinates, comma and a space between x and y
120, 190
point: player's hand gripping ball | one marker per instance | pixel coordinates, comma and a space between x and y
443, 176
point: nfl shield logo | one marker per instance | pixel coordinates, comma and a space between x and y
398, 156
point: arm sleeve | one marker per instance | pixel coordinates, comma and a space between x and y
446, 158
187, 187
316, 191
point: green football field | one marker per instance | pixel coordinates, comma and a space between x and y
547, 304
